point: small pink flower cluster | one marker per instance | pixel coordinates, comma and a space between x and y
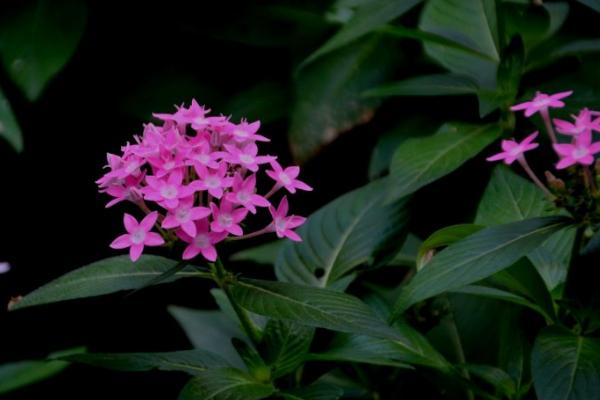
580, 150
201, 172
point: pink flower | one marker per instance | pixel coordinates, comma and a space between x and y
287, 177
247, 156
583, 123
541, 102
581, 152
204, 156
247, 132
167, 192
203, 242
213, 180
283, 224
514, 150
244, 194
138, 235
184, 216
227, 219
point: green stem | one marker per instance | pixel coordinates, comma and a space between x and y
223, 279
458, 348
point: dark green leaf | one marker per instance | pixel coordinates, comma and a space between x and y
9, 127
266, 101
190, 361
225, 384
262, 254
442, 238
426, 85
102, 277
509, 198
38, 40
209, 330
496, 377
420, 161
253, 361
329, 93
372, 15
565, 366
354, 229
472, 24
316, 391
286, 345
593, 4
477, 257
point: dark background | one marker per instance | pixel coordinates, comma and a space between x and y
136, 58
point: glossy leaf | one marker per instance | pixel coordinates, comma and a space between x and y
286, 345
225, 383
209, 330
316, 391
442, 238
426, 85
420, 161
9, 127
477, 257
509, 198
472, 24
103, 277
372, 15
328, 93
354, 229
37, 41
565, 366
190, 361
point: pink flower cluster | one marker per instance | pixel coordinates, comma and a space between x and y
580, 147
199, 173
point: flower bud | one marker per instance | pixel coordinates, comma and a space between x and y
554, 182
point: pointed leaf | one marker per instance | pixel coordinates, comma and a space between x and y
477, 257
565, 366
225, 384
354, 229
426, 85
420, 161
103, 277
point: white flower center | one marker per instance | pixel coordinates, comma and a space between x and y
240, 133
284, 178
169, 191
280, 224
138, 236
202, 241
182, 215
246, 158
132, 166
202, 158
580, 152
243, 196
200, 121
515, 151
541, 102
212, 182
225, 220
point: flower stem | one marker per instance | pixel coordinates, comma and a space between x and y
533, 177
251, 234
548, 124
222, 277
273, 190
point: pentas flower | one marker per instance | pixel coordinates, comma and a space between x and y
542, 102
287, 177
514, 150
138, 235
283, 223
196, 175
580, 152
583, 123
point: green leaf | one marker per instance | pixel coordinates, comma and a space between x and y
498, 378
209, 330
225, 384
190, 361
286, 345
102, 277
470, 23
253, 361
262, 254
19, 374
477, 257
328, 93
420, 161
9, 127
426, 85
316, 391
442, 238
370, 16
558, 51
37, 41
266, 101
565, 366
593, 4
354, 229
509, 198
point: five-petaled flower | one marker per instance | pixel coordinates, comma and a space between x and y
138, 235
287, 177
514, 150
283, 223
541, 102
580, 152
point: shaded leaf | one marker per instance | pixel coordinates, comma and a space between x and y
286, 345
442, 238
496, 377
262, 254
9, 127
102, 277
354, 229
316, 391
420, 161
426, 85
225, 384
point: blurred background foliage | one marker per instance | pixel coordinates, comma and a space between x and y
337, 85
